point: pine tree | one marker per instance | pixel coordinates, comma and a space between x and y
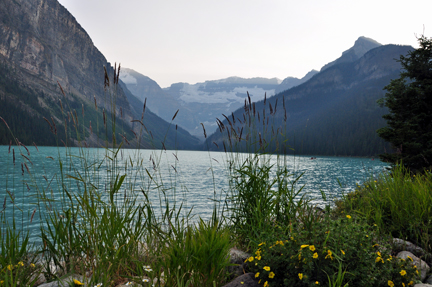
409, 99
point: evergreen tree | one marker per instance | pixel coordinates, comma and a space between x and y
409, 99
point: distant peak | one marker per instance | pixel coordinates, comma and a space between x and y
361, 46
363, 39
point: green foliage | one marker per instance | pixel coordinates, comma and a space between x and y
342, 252
400, 204
197, 255
409, 99
259, 198
17, 262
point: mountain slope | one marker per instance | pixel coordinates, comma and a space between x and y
290, 82
49, 56
361, 46
334, 113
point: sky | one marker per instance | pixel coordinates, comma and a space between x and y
193, 41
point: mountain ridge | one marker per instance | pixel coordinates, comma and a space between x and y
334, 113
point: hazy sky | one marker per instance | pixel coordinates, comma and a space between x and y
193, 41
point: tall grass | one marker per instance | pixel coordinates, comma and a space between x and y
399, 203
96, 217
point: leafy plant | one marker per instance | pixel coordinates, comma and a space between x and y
342, 251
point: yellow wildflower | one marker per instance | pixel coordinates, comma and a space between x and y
410, 283
390, 283
10, 267
271, 275
304, 246
257, 275
266, 284
410, 258
250, 259
316, 283
378, 259
343, 252
403, 273
32, 265
312, 248
315, 255
348, 216
378, 253
76, 282
329, 254
300, 275
262, 243
266, 268
258, 257
21, 264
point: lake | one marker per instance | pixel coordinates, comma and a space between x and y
195, 178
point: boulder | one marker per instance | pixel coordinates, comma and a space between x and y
245, 280
402, 245
237, 258
421, 265
64, 282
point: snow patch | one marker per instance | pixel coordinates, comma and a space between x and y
197, 94
127, 78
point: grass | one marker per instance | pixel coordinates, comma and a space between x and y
98, 218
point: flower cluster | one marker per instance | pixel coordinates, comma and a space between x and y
313, 257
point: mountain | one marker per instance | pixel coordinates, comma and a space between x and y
290, 82
361, 46
197, 103
334, 113
51, 69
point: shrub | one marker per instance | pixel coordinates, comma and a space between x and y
344, 248
399, 203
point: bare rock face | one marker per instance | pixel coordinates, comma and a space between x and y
46, 45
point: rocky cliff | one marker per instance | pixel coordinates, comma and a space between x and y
45, 45
50, 68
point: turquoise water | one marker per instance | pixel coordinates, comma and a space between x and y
195, 178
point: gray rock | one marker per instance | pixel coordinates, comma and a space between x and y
237, 257
421, 265
429, 280
245, 280
422, 285
402, 245
64, 282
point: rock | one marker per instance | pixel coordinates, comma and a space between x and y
40, 279
245, 280
429, 280
238, 258
402, 245
422, 285
65, 282
421, 265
